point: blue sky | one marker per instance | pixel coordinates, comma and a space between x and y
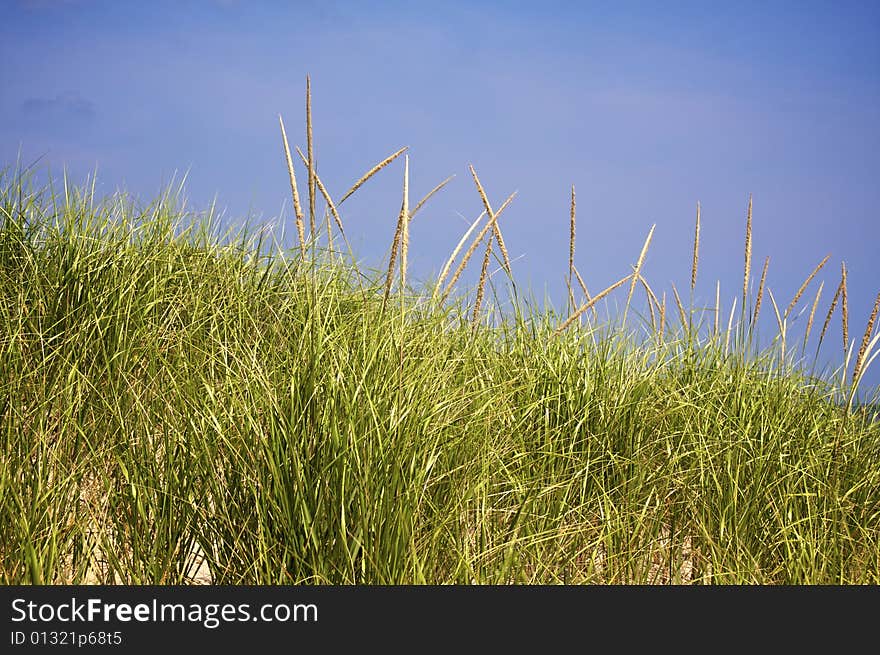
646, 107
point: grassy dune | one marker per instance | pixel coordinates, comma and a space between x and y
178, 405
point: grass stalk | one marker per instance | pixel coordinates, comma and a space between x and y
571, 319
696, 257
748, 264
637, 270
682, 315
803, 287
571, 240
662, 315
297, 207
496, 230
830, 312
782, 324
812, 314
182, 406
584, 290
717, 307
866, 338
404, 224
311, 157
758, 300
482, 283
844, 308
370, 173
427, 197
470, 251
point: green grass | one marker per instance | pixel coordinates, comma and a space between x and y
174, 398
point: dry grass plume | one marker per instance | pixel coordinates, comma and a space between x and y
813, 313
481, 285
311, 150
427, 197
401, 236
370, 173
470, 251
696, 250
662, 315
495, 228
803, 287
682, 315
844, 309
748, 253
869, 330
636, 270
320, 186
760, 291
404, 222
571, 319
586, 291
831, 311
297, 208
571, 239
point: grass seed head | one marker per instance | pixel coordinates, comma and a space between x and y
831, 311
477, 241
427, 197
297, 208
404, 223
495, 228
813, 313
869, 330
682, 315
760, 291
320, 186
696, 250
748, 254
844, 309
803, 287
311, 150
484, 272
637, 269
571, 319
571, 236
663, 315
370, 173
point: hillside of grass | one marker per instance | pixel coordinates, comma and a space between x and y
179, 405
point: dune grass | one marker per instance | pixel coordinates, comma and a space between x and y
179, 405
